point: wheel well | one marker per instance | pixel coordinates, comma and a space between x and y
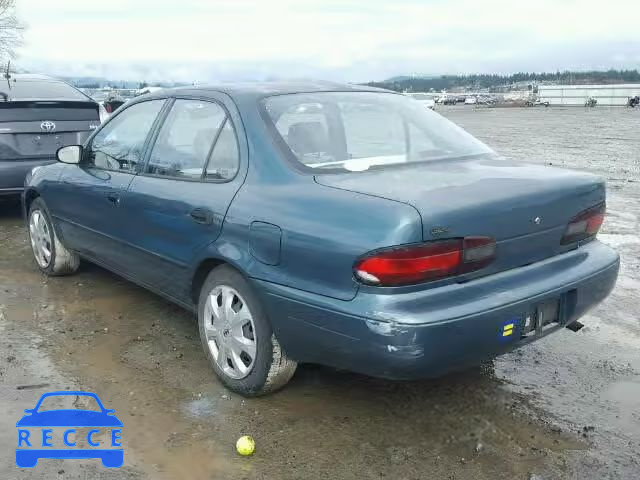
29, 197
201, 274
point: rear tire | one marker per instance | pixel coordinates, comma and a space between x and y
51, 256
237, 337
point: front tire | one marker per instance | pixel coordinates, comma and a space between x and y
51, 256
237, 337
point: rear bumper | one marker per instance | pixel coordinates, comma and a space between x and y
427, 333
13, 173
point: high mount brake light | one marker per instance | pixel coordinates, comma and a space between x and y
584, 225
411, 264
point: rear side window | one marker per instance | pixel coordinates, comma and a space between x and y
196, 141
120, 144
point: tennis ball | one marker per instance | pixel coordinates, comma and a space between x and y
246, 445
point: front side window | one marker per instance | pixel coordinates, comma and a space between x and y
355, 131
120, 144
186, 139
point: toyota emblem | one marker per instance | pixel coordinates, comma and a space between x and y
47, 126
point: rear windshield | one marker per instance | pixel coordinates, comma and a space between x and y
355, 131
40, 90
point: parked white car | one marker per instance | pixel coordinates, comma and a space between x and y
145, 90
427, 99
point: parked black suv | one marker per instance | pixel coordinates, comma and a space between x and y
38, 115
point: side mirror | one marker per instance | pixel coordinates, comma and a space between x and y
71, 154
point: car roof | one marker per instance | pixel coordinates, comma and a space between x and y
257, 90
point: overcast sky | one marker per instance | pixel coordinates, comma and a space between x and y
349, 40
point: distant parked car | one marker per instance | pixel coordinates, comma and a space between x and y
147, 90
109, 101
330, 224
486, 100
536, 103
38, 115
113, 102
426, 99
470, 100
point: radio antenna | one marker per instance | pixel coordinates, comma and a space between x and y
7, 74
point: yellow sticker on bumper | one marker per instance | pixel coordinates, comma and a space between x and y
507, 330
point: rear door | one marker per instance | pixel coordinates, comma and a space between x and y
89, 200
177, 204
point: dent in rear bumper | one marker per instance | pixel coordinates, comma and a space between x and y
427, 333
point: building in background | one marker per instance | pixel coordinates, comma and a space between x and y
577, 95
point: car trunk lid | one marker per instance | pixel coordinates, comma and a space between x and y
36, 129
526, 208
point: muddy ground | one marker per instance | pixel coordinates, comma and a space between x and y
565, 407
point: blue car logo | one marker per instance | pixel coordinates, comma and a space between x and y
35, 434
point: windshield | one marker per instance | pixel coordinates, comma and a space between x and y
354, 131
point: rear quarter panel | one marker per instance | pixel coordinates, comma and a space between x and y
323, 231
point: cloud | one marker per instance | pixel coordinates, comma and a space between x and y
337, 39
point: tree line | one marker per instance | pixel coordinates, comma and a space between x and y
11, 30
495, 82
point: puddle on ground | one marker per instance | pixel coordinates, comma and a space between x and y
627, 395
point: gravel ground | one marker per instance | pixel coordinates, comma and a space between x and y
565, 407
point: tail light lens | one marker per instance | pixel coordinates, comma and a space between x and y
418, 263
584, 225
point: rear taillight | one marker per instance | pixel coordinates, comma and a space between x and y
423, 262
584, 225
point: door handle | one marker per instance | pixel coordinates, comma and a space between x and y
202, 215
113, 197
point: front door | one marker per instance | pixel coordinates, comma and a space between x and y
178, 202
90, 201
